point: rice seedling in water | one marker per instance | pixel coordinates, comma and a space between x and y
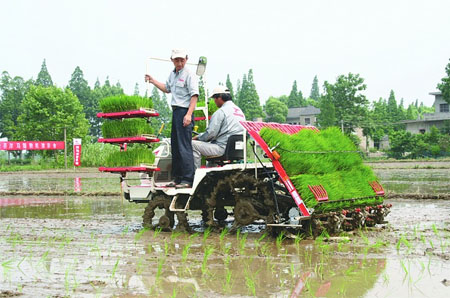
113, 273
185, 252
126, 128
161, 262
222, 235
121, 103
279, 240
227, 284
250, 282
206, 234
208, 251
242, 243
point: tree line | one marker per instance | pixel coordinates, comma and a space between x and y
39, 110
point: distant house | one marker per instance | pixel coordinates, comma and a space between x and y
440, 115
303, 116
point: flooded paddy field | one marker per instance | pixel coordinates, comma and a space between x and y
94, 246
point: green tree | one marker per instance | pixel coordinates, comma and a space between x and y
44, 79
327, 116
230, 86
79, 86
392, 109
97, 94
136, 90
248, 99
351, 106
400, 142
276, 111
45, 113
162, 107
12, 91
315, 89
295, 97
444, 86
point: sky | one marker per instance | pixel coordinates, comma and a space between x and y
403, 45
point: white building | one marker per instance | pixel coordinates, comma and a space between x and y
440, 115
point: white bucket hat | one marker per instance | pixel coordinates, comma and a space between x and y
219, 90
178, 53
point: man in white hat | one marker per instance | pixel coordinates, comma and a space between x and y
223, 124
183, 84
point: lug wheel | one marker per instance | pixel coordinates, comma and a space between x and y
166, 221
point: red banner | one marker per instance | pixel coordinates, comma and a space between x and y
32, 145
77, 152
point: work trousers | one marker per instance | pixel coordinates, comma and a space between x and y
206, 149
181, 143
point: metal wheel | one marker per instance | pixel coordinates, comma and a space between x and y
166, 221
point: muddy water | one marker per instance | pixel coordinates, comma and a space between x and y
95, 246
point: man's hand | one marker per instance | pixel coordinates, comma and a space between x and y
195, 137
187, 119
149, 78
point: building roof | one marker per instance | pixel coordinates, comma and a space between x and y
302, 111
435, 93
443, 117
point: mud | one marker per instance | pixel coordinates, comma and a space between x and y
95, 246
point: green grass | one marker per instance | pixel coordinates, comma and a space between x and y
326, 158
126, 128
120, 103
134, 156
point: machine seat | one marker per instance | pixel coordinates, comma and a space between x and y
234, 151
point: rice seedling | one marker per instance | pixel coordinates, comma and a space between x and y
222, 235
134, 156
6, 267
166, 248
206, 234
279, 240
227, 285
113, 272
185, 252
175, 235
161, 262
242, 243
174, 293
328, 158
208, 251
121, 103
250, 282
126, 128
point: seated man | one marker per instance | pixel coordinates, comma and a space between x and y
223, 124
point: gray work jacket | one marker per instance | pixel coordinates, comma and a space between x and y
183, 85
224, 123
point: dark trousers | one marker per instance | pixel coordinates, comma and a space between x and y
181, 141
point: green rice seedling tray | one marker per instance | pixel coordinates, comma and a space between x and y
135, 155
328, 159
121, 103
126, 128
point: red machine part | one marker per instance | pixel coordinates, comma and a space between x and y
377, 188
129, 114
253, 129
143, 139
128, 169
319, 192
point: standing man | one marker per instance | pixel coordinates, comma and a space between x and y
183, 85
223, 124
